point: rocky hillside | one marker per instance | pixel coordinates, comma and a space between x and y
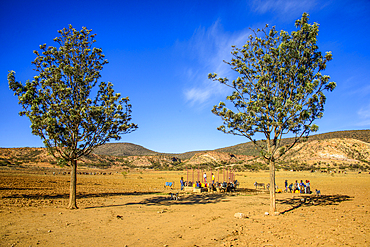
249, 149
214, 159
331, 153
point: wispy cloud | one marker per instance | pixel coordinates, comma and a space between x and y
364, 115
207, 49
359, 90
198, 95
283, 7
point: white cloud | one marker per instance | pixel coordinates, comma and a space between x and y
283, 7
364, 123
362, 91
197, 95
364, 112
207, 49
364, 115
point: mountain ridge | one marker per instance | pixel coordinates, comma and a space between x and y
247, 148
347, 150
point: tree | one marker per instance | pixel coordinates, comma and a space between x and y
57, 101
280, 90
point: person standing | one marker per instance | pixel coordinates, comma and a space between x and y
308, 187
302, 187
291, 188
205, 178
182, 183
286, 185
295, 186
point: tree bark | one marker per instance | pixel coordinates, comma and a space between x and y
72, 192
272, 188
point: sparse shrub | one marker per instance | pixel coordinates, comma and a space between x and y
124, 173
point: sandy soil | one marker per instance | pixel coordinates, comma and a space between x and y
135, 210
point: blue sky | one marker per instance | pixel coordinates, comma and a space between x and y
160, 53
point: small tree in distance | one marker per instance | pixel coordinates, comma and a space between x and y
280, 90
59, 105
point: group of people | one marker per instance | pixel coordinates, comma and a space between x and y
214, 185
296, 187
199, 184
302, 187
205, 178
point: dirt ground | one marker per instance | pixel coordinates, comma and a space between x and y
134, 210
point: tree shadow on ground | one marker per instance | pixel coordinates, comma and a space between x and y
184, 199
251, 191
309, 201
4, 188
79, 195
204, 198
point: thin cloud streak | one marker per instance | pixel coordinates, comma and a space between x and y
363, 124
361, 91
290, 7
209, 48
364, 114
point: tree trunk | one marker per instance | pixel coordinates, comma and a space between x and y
272, 188
72, 191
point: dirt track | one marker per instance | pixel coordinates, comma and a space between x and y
135, 210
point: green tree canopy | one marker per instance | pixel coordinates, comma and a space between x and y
59, 103
280, 89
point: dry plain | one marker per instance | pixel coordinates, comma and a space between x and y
134, 210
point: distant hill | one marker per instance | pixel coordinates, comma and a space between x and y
249, 149
185, 156
123, 149
130, 149
344, 150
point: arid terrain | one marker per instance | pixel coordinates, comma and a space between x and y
333, 151
133, 209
